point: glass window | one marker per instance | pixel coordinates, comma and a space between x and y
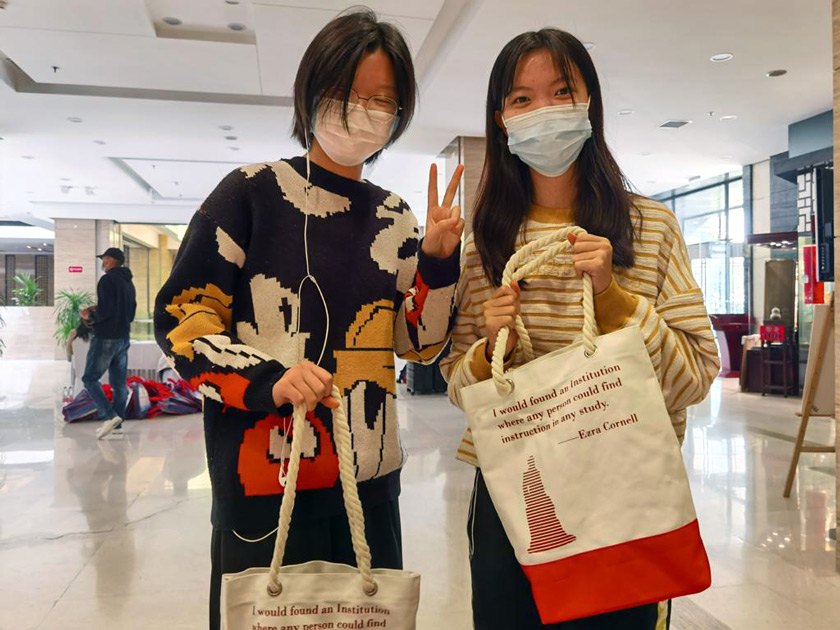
715, 232
708, 262
736, 296
700, 202
703, 229
736, 227
736, 193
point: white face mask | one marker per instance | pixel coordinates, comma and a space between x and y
549, 139
370, 130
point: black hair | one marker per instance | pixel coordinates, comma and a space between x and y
331, 61
504, 196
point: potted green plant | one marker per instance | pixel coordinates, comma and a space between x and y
68, 303
27, 291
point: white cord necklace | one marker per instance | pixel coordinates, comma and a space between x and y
281, 477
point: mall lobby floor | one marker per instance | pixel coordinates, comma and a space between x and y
115, 534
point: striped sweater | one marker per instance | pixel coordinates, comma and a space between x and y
658, 293
236, 313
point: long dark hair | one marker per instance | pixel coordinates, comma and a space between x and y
603, 203
330, 62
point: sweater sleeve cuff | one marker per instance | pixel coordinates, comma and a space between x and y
259, 396
438, 272
613, 307
479, 365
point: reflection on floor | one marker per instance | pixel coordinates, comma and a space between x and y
115, 534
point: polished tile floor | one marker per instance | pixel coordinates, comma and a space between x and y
115, 534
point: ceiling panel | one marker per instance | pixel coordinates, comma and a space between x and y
181, 179
208, 19
652, 57
280, 56
133, 62
428, 9
126, 17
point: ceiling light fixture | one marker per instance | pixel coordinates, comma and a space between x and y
674, 124
728, 118
65, 179
226, 127
626, 112
234, 148
726, 157
236, 26
99, 142
233, 2
721, 57
74, 119
172, 21
231, 138
28, 157
777, 73
693, 178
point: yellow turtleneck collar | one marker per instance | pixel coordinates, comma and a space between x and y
558, 216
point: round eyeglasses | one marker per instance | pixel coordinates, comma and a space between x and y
375, 103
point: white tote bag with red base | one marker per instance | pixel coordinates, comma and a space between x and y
584, 468
321, 594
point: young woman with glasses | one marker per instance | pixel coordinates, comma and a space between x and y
298, 275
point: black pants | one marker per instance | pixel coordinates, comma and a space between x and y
502, 594
326, 538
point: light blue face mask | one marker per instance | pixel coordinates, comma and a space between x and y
549, 139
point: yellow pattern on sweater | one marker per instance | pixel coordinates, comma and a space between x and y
658, 293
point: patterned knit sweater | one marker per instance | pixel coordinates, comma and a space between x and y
659, 294
234, 315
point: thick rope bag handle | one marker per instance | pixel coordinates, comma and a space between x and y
552, 245
341, 432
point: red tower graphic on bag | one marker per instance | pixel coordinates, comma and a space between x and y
546, 531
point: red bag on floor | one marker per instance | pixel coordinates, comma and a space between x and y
81, 407
139, 402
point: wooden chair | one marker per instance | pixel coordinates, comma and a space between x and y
777, 351
818, 394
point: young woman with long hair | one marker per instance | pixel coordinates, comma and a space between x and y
547, 166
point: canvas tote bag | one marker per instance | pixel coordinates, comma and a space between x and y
318, 594
584, 468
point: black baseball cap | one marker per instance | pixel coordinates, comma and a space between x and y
114, 252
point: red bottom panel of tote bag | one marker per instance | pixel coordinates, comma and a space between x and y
622, 576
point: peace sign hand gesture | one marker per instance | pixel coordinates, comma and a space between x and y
444, 224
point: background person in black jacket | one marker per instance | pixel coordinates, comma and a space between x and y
112, 317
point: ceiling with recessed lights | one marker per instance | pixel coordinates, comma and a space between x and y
134, 109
